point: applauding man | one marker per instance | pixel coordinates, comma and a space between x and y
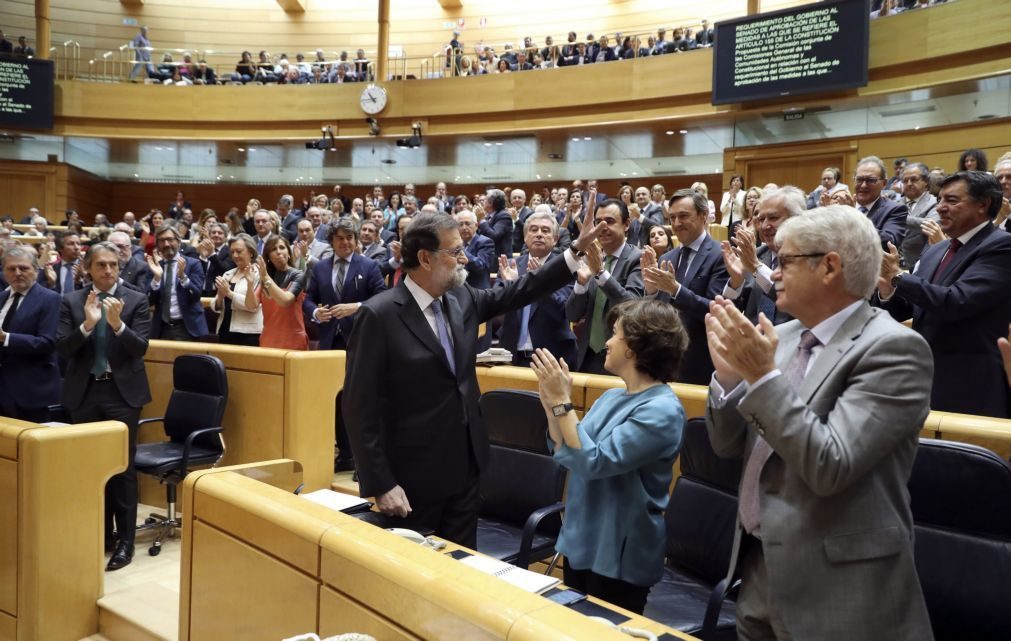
176, 285
825, 411
103, 338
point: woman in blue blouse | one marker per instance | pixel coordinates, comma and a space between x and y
619, 456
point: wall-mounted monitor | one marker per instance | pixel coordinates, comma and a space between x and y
814, 48
26, 93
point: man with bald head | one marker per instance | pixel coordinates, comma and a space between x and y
133, 270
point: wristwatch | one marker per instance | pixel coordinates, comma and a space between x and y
561, 410
895, 280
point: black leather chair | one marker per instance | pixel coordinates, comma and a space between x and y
522, 487
192, 423
701, 518
961, 501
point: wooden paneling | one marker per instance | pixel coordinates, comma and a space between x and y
223, 603
338, 614
80, 190
801, 171
8, 537
24, 185
8, 627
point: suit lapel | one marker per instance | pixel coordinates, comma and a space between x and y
412, 316
329, 266
832, 354
693, 267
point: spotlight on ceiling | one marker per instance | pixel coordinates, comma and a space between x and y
414, 141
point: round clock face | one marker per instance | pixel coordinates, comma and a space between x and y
373, 99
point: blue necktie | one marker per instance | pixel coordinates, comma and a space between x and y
524, 328
443, 329
765, 303
68, 278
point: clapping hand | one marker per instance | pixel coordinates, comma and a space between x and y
79, 272
395, 250
533, 264
889, 270
180, 268
507, 269
156, 271
1005, 352
933, 231
261, 266
732, 261
660, 278
92, 311
554, 382
746, 247
648, 257
205, 247
113, 308
588, 231
739, 349
221, 284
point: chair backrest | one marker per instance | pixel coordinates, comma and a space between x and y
521, 475
702, 511
198, 400
961, 501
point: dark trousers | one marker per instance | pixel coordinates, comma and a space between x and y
175, 332
453, 518
103, 402
593, 362
10, 408
621, 593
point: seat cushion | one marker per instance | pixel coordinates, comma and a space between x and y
158, 458
501, 540
679, 601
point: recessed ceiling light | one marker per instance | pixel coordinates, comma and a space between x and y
252, 149
136, 175
242, 148
498, 144
538, 176
487, 144
587, 138
635, 173
575, 140
623, 174
549, 175
669, 132
232, 177
468, 177
684, 131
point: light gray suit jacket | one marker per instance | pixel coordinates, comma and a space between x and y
836, 527
915, 240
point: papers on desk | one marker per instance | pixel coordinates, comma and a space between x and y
337, 501
523, 579
495, 356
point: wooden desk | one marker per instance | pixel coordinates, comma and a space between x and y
259, 561
52, 498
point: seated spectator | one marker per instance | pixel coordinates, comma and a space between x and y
166, 68
819, 197
550, 51
361, 68
40, 226
688, 40
204, 75
320, 60
973, 160
705, 36
339, 75
604, 51
240, 315
304, 68
245, 70
660, 44
318, 76
888, 8
187, 68
23, 49
521, 62
660, 240
7, 222
503, 66
177, 78
281, 294
265, 69
466, 67
71, 217
629, 48
619, 456
703, 189
6, 46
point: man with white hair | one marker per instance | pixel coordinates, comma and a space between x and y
519, 211
826, 411
133, 270
289, 216
750, 271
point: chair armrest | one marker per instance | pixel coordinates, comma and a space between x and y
189, 444
716, 599
530, 527
145, 421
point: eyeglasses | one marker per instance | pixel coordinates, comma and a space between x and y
866, 180
455, 252
785, 260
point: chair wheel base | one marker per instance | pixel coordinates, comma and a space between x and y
155, 549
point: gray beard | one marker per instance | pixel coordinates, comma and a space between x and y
459, 276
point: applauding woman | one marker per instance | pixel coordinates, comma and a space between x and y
240, 316
620, 456
281, 295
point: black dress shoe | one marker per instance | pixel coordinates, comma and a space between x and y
344, 464
121, 557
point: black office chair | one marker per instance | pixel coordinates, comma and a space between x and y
700, 518
961, 501
521, 490
192, 423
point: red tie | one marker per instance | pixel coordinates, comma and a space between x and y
948, 257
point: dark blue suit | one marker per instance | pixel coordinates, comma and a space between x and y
889, 218
961, 316
29, 374
188, 299
704, 280
481, 261
548, 326
361, 282
499, 227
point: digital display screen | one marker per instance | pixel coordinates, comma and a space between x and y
817, 47
26, 93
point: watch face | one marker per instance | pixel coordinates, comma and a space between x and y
373, 99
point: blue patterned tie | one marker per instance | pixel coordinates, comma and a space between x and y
443, 329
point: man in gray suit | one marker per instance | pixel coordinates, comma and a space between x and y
610, 275
922, 207
751, 270
825, 411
